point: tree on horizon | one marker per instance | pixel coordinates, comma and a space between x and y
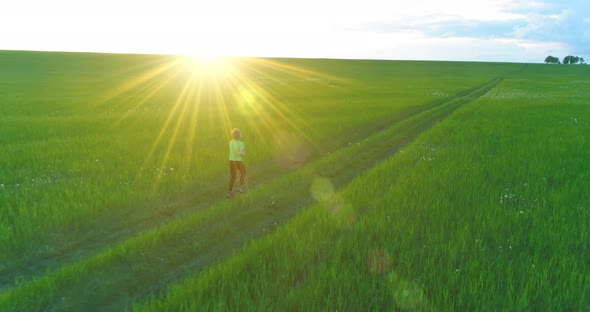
570, 59
552, 60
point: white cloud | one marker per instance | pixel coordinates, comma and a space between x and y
419, 29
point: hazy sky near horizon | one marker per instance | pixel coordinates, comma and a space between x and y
458, 30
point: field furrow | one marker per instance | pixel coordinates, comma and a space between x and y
139, 257
59, 248
485, 211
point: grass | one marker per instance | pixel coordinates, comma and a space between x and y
411, 185
92, 138
220, 229
487, 211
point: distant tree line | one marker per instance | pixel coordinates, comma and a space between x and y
570, 59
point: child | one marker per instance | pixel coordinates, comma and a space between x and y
236, 153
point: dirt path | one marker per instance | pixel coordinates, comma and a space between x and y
135, 277
67, 246
100, 233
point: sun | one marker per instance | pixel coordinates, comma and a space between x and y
208, 57
205, 58
210, 64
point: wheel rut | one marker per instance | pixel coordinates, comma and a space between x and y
131, 277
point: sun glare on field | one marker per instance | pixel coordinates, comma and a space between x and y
190, 90
207, 57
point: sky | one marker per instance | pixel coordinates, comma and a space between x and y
454, 30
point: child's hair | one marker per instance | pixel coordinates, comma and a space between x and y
236, 134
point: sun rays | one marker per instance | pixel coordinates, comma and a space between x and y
220, 93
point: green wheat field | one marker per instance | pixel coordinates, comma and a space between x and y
372, 185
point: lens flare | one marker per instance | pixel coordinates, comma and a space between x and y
290, 150
343, 214
408, 295
379, 261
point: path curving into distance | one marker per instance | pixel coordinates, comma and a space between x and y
135, 258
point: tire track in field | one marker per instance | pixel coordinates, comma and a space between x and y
127, 279
105, 232
66, 247
244, 226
